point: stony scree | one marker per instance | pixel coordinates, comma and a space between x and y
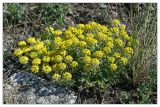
27, 88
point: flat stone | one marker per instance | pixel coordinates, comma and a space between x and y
27, 88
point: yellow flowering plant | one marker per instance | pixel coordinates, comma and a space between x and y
83, 54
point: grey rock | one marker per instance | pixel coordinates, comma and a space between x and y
27, 88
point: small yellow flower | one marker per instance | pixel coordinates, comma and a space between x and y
78, 32
115, 30
63, 53
68, 42
86, 59
100, 36
57, 32
116, 22
94, 41
67, 76
124, 60
56, 76
46, 68
57, 42
88, 27
23, 60
110, 44
76, 40
90, 35
43, 51
72, 29
110, 40
82, 43
117, 55
86, 52
27, 49
35, 68
98, 54
33, 54
36, 61
119, 42
74, 64
111, 59
39, 46
67, 33
93, 24
31, 40
58, 58
95, 61
128, 50
81, 37
80, 26
113, 67
62, 66
22, 43
104, 29
107, 49
91, 41
123, 27
58, 39
126, 36
46, 59
70, 36
18, 52
68, 58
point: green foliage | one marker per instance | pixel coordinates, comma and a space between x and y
144, 93
53, 12
49, 13
14, 13
147, 91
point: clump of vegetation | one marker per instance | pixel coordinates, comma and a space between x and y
88, 55
14, 13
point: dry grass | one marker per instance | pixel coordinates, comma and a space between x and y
143, 20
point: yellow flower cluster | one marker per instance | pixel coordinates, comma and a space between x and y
83, 47
21, 43
36, 61
98, 54
23, 60
74, 64
35, 68
33, 54
67, 76
18, 52
46, 68
56, 76
113, 67
31, 40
